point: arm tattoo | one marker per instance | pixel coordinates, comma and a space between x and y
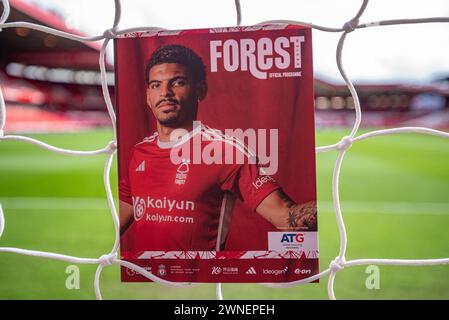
292, 218
293, 215
299, 215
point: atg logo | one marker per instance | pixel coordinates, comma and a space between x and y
305, 241
258, 56
292, 238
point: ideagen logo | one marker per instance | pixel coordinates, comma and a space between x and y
275, 272
257, 56
292, 238
260, 181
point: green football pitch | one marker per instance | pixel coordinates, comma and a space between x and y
395, 201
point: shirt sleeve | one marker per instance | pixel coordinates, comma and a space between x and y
248, 184
124, 184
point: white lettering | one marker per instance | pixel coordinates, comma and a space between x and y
244, 143
190, 205
231, 61
257, 56
373, 280
214, 54
270, 159
260, 181
283, 61
202, 311
73, 278
264, 48
297, 49
212, 153
170, 204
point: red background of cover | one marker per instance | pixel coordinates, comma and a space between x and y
234, 100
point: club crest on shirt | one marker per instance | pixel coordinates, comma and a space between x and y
182, 172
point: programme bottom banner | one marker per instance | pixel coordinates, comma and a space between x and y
224, 270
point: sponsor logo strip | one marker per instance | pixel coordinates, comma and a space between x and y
221, 270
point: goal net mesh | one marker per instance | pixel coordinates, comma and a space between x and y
112, 258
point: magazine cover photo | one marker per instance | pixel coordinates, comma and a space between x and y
216, 154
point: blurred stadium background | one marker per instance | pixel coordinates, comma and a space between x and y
394, 190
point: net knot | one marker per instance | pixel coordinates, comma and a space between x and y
337, 264
345, 143
350, 25
107, 259
110, 33
111, 147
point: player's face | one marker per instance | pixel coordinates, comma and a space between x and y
171, 94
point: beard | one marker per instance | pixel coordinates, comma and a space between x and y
170, 119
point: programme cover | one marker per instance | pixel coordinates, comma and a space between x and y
216, 154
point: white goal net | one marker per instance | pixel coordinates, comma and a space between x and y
112, 258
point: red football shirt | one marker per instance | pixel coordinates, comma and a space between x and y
177, 203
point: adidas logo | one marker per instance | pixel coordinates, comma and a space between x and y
251, 271
141, 166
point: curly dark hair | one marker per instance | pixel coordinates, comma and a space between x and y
174, 53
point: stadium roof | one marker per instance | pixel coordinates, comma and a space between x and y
31, 47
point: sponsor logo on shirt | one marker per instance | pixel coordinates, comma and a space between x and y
162, 203
140, 205
260, 181
168, 218
141, 167
139, 208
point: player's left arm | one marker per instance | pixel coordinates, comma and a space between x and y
285, 214
126, 215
